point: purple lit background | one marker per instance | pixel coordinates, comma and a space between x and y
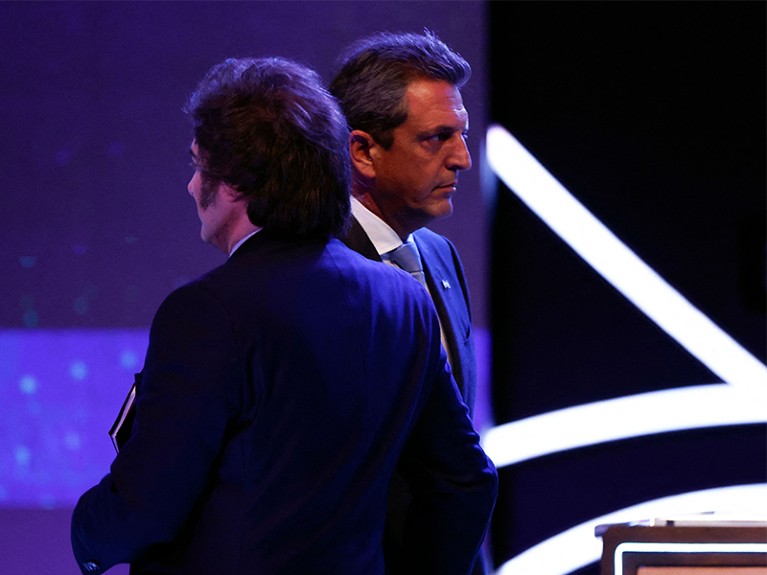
56, 411
97, 227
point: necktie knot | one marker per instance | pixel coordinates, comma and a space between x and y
406, 257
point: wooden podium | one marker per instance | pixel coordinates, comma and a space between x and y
684, 548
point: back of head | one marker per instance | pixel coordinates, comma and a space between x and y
267, 127
374, 73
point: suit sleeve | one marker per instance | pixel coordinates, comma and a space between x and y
188, 394
454, 484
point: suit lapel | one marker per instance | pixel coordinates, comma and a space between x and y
447, 292
443, 286
359, 241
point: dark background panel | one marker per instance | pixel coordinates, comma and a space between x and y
652, 114
562, 334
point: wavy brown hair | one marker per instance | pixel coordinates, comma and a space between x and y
268, 128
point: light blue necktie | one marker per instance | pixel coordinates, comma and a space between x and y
406, 257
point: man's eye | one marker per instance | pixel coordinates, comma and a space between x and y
441, 137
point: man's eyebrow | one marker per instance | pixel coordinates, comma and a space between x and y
441, 129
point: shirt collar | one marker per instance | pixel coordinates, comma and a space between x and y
242, 241
382, 236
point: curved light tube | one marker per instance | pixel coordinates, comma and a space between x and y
579, 547
624, 417
596, 244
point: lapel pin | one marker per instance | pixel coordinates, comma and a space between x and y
445, 284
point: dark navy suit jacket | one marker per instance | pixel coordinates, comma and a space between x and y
279, 393
450, 293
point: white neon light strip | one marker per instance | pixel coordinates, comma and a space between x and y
647, 547
596, 244
578, 547
624, 417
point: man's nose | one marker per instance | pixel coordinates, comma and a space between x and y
460, 157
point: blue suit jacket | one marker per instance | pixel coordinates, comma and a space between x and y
279, 393
450, 293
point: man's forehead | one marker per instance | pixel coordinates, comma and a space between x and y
427, 89
436, 114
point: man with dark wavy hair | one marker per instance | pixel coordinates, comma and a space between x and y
281, 390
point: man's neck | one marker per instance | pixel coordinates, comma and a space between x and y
243, 236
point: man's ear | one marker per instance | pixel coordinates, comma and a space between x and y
361, 150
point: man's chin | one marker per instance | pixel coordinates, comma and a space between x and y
425, 215
443, 210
